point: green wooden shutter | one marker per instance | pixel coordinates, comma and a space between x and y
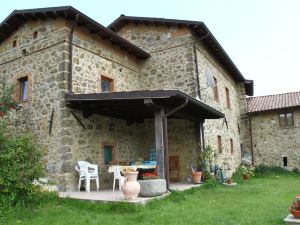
107, 154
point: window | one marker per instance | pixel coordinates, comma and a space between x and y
286, 119
231, 146
227, 98
35, 34
108, 154
107, 84
23, 89
14, 44
219, 144
215, 90
285, 161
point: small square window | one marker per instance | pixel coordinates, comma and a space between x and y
107, 84
35, 34
23, 87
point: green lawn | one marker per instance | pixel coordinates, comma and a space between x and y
260, 200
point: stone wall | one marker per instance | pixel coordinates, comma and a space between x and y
213, 128
172, 66
271, 143
46, 65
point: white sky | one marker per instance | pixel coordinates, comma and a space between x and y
262, 37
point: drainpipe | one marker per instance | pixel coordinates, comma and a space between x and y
165, 132
196, 63
70, 78
251, 139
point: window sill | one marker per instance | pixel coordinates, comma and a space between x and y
289, 127
23, 101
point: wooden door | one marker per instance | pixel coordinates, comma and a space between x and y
174, 168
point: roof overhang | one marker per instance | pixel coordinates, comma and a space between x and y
135, 106
19, 17
201, 31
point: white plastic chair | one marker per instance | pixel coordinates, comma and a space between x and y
87, 172
117, 176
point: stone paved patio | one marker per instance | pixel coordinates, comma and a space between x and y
117, 196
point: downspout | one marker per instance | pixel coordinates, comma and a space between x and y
251, 139
196, 63
70, 69
165, 132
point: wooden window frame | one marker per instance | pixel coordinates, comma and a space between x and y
286, 120
215, 89
111, 82
18, 78
220, 148
231, 146
227, 95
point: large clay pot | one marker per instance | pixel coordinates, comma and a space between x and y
131, 188
246, 176
196, 177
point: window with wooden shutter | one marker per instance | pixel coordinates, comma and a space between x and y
215, 90
227, 98
108, 151
220, 144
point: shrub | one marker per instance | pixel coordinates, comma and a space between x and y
20, 164
210, 184
20, 159
264, 169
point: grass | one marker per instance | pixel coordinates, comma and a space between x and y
260, 200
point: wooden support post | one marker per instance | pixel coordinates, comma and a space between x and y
165, 132
159, 142
200, 134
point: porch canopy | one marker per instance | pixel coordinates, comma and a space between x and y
135, 106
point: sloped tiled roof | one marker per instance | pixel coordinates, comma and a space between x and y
271, 102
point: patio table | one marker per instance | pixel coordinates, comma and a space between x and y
135, 167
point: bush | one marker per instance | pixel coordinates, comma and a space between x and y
264, 169
20, 158
20, 164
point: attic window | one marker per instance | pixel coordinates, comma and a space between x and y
35, 34
14, 44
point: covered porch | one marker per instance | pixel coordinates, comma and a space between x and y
160, 106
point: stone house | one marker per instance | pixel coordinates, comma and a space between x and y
100, 94
274, 130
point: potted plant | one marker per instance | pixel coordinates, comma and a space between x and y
204, 160
229, 180
295, 208
246, 171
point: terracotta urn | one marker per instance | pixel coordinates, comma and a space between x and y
296, 213
246, 176
131, 187
196, 177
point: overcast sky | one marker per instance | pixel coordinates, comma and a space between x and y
262, 37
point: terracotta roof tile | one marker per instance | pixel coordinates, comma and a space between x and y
271, 102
